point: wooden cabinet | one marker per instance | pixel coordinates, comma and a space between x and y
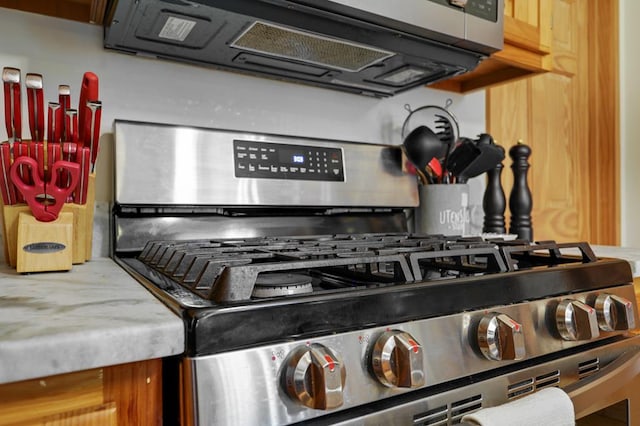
527, 48
569, 118
128, 394
91, 11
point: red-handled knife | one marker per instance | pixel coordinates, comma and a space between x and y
12, 104
92, 133
6, 185
71, 125
35, 103
88, 92
54, 120
84, 159
64, 99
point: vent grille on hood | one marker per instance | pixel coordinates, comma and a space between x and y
374, 48
306, 47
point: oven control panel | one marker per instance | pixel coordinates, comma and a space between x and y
265, 160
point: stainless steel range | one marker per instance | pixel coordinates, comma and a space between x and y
305, 299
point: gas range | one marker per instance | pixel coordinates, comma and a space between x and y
368, 324
343, 282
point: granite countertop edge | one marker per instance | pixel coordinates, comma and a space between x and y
95, 315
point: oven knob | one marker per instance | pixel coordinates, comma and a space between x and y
396, 360
614, 313
576, 320
500, 338
315, 376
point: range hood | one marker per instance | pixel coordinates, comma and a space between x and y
371, 47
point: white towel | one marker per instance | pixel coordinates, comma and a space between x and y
547, 407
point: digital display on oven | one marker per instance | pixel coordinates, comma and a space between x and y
266, 160
291, 156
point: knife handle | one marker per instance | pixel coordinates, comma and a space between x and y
64, 99
88, 91
54, 119
71, 125
92, 133
83, 158
31, 108
12, 116
35, 103
6, 184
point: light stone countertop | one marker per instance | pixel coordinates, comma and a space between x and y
93, 316
630, 254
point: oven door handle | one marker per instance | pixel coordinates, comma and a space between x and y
588, 395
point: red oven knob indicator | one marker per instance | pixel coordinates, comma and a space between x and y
330, 363
576, 320
614, 313
500, 338
397, 360
315, 376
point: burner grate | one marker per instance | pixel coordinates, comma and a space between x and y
227, 270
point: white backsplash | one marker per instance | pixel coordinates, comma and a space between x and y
144, 89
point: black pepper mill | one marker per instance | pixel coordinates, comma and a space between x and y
494, 202
520, 201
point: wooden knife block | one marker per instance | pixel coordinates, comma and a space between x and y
44, 246
81, 226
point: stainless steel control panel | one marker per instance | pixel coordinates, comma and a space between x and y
158, 164
276, 161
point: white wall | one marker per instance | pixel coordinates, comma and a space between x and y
630, 121
152, 90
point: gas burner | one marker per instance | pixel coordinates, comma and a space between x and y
281, 284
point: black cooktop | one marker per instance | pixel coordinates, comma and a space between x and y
345, 282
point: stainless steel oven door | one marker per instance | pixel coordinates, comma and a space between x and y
612, 396
603, 382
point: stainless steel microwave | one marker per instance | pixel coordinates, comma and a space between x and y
372, 47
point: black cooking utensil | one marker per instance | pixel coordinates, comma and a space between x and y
463, 155
420, 147
484, 156
421, 144
444, 130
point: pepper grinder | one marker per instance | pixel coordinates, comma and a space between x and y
520, 201
494, 201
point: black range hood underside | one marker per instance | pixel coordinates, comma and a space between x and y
259, 38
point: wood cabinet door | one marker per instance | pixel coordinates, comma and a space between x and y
527, 33
554, 113
527, 43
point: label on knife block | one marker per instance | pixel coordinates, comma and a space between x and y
44, 246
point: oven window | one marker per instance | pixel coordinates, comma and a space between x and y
613, 415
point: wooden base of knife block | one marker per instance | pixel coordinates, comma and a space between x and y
82, 227
44, 246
